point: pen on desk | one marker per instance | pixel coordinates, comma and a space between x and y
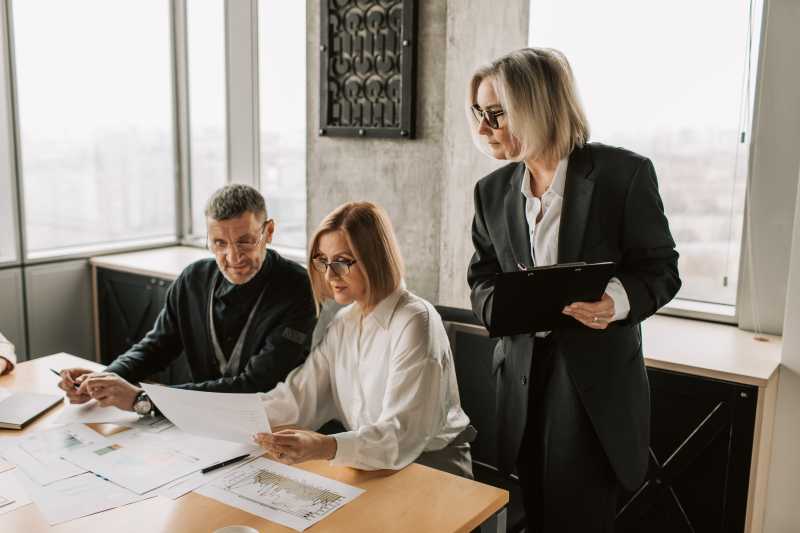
57, 373
211, 468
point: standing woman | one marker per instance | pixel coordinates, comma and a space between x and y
574, 404
384, 367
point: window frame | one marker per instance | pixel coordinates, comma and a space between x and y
25, 257
714, 311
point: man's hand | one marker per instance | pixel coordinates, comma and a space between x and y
70, 377
290, 446
110, 390
595, 315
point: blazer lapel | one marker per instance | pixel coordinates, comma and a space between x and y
578, 189
516, 224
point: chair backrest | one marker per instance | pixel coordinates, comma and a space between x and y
472, 354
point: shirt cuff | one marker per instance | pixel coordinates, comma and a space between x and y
346, 448
622, 307
9, 365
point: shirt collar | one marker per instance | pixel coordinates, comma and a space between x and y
382, 313
232, 293
557, 186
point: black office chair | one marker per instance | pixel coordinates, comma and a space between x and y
477, 386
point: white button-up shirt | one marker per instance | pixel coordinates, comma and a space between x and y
7, 352
387, 376
544, 232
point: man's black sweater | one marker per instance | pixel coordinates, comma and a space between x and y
277, 341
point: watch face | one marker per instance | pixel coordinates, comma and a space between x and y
142, 406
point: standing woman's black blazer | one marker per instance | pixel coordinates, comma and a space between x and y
611, 212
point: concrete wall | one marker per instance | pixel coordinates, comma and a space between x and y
425, 184
469, 44
404, 176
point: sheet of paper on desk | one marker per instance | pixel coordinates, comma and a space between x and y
143, 461
39, 453
12, 490
284, 494
91, 413
218, 450
77, 496
215, 415
139, 466
194, 481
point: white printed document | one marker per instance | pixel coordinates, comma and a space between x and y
91, 413
284, 494
215, 415
12, 493
77, 496
39, 454
143, 461
139, 465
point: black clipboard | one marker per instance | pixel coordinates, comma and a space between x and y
532, 300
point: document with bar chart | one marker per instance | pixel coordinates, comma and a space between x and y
280, 493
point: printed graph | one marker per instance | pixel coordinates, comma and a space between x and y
259, 484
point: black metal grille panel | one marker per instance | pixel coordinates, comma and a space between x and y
367, 66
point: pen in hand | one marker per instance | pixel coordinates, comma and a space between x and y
211, 468
57, 373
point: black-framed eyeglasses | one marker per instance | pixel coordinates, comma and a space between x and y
245, 246
488, 114
340, 268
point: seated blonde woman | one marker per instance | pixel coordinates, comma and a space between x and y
384, 367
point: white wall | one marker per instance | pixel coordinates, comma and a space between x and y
783, 493
773, 175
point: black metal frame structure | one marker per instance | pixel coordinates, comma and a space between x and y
367, 68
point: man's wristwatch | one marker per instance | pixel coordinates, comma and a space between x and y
142, 404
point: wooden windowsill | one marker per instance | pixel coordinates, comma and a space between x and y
708, 349
163, 263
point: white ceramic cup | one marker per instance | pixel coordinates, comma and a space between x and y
236, 529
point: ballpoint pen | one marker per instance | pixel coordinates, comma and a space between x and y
57, 373
211, 468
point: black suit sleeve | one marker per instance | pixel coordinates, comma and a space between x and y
157, 349
483, 266
649, 266
286, 346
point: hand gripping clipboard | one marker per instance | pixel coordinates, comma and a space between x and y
531, 300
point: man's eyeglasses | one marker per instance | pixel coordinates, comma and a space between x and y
340, 268
247, 245
488, 114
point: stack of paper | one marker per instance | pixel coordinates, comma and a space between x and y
39, 454
72, 471
12, 493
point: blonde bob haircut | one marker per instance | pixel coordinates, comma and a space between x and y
537, 91
372, 241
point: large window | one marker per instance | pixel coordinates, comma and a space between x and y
672, 81
8, 244
282, 104
205, 26
95, 115
8, 241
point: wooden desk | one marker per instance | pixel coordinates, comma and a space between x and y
417, 498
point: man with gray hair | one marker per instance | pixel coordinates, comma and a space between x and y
244, 318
